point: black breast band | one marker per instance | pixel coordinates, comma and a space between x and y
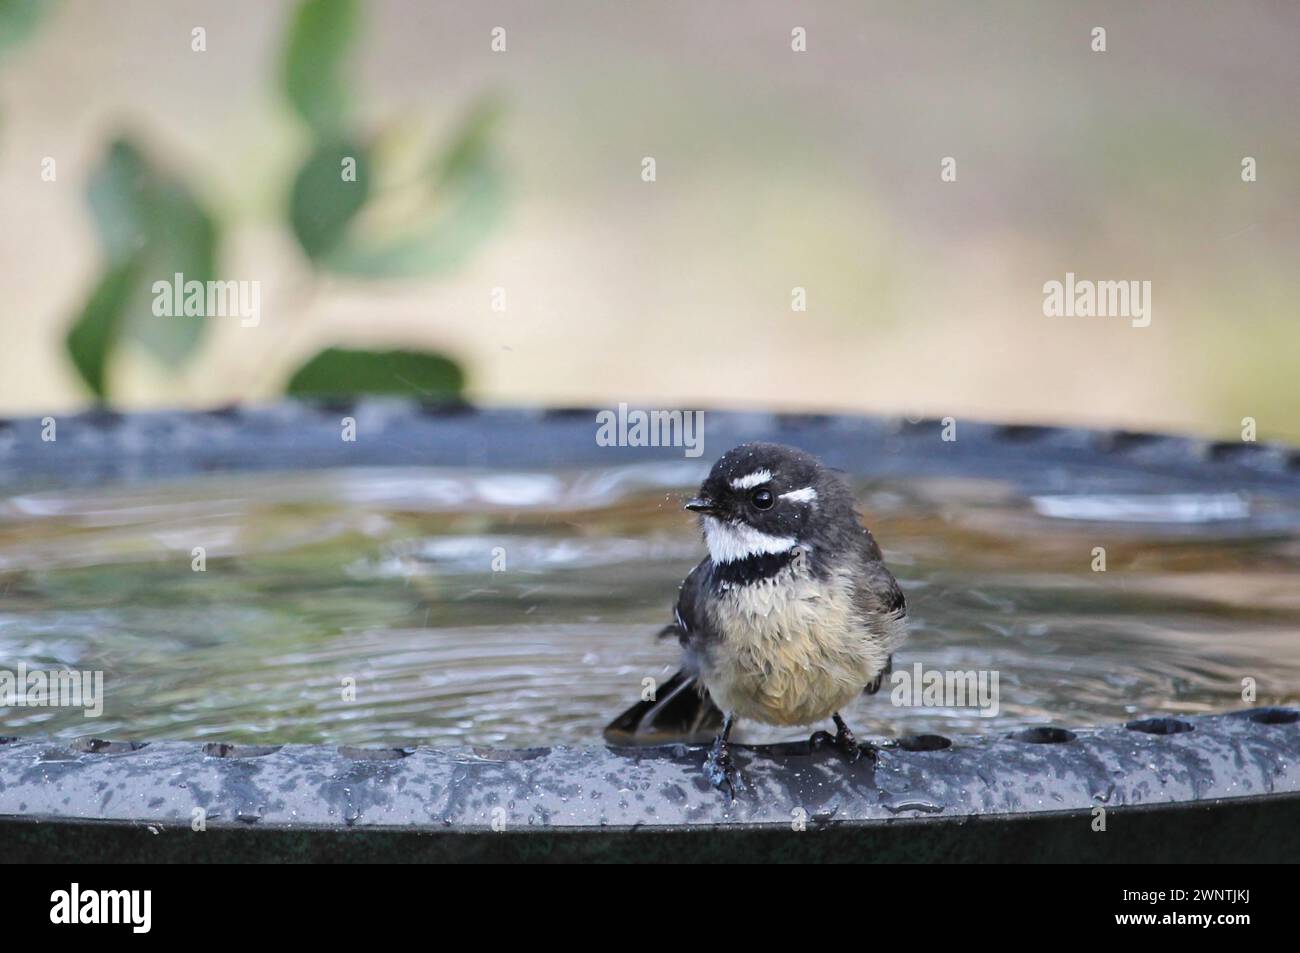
742, 572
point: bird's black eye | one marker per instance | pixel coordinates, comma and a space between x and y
762, 499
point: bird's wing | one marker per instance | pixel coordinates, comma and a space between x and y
879, 599
681, 709
690, 623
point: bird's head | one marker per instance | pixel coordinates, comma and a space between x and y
765, 499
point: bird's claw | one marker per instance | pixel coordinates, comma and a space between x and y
722, 771
865, 751
844, 741
820, 739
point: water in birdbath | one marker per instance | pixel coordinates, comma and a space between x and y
444, 607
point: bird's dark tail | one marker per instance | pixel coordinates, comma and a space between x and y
680, 712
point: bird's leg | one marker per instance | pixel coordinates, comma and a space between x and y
844, 741
718, 767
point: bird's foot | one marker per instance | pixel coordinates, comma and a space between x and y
722, 771
844, 741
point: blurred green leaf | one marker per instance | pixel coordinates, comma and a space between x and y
151, 229
338, 372
320, 39
442, 246
118, 192
323, 202
470, 148
184, 241
18, 20
93, 335
466, 191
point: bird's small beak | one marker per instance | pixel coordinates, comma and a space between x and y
701, 505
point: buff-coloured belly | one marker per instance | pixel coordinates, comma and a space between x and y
791, 653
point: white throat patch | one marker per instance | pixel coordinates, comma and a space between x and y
730, 542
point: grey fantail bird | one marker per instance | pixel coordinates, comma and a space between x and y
791, 616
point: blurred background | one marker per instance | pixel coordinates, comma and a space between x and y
500, 234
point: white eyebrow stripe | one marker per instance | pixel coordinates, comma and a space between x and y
751, 479
730, 542
805, 495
